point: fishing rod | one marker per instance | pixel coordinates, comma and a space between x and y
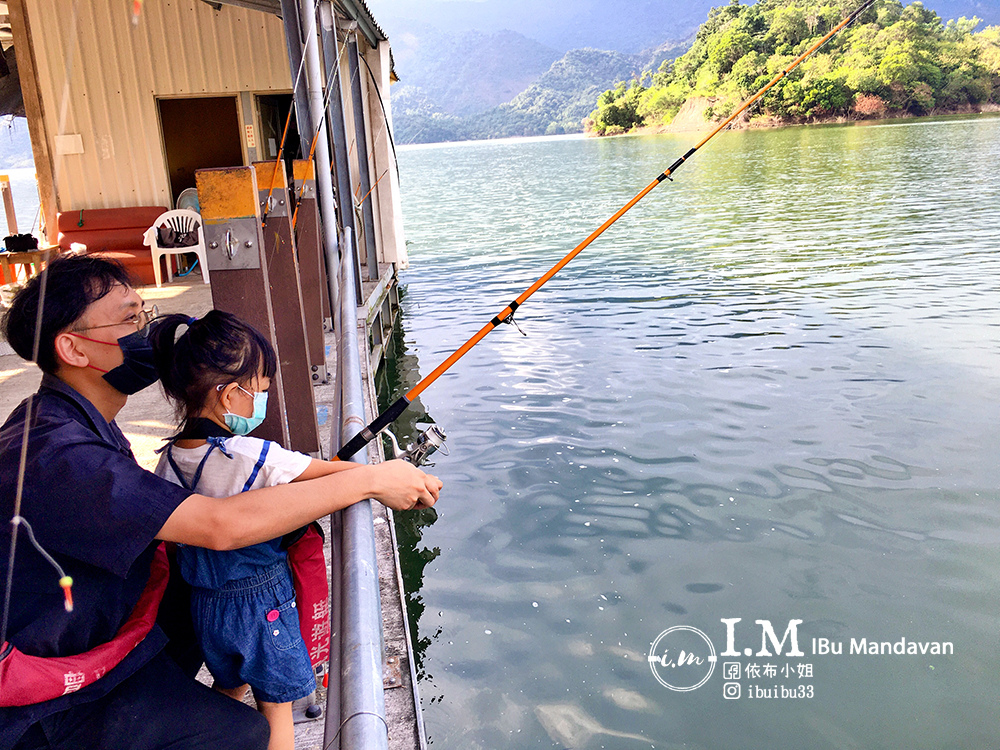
506, 315
330, 89
310, 35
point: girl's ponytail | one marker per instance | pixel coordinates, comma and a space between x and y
163, 338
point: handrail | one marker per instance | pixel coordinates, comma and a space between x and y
357, 719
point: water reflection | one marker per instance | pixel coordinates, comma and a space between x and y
398, 375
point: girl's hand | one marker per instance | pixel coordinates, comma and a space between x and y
319, 468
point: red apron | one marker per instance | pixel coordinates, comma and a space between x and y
312, 594
25, 680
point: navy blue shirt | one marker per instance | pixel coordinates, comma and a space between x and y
97, 512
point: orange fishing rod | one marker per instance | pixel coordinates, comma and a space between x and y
506, 315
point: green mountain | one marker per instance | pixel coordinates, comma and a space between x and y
629, 26
417, 119
467, 73
893, 60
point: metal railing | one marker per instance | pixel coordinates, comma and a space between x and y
355, 711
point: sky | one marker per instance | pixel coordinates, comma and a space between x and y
622, 25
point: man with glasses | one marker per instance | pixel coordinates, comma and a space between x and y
84, 666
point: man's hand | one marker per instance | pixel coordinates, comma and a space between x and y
402, 486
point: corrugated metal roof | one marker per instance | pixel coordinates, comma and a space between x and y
356, 10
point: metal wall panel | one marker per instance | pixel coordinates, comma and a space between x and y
100, 76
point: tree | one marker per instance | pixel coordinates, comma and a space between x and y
895, 58
869, 105
788, 26
747, 70
726, 48
618, 109
825, 96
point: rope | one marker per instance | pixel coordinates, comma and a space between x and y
288, 120
312, 149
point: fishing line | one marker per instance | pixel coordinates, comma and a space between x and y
385, 117
16, 520
288, 120
506, 315
383, 126
370, 156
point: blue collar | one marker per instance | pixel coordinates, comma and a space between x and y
108, 431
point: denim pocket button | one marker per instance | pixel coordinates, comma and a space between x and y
283, 622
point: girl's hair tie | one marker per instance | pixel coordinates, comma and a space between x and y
191, 321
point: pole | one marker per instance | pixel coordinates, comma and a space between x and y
324, 181
335, 111
362, 698
361, 149
8, 204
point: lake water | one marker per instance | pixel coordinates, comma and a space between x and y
770, 392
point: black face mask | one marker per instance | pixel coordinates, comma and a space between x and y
138, 370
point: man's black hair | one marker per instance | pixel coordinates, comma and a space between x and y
71, 285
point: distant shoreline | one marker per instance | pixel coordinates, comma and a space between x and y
767, 123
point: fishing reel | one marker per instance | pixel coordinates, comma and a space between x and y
430, 440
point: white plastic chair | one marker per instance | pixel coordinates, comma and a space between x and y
180, 220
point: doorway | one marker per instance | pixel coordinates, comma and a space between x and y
199, 133
273, 111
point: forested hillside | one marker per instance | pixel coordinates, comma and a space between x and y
891, 61
557, 102
464, 74
560, 100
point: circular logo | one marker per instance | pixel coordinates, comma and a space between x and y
682, 658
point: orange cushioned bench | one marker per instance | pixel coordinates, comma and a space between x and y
114, 233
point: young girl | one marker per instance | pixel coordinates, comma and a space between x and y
217, 373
